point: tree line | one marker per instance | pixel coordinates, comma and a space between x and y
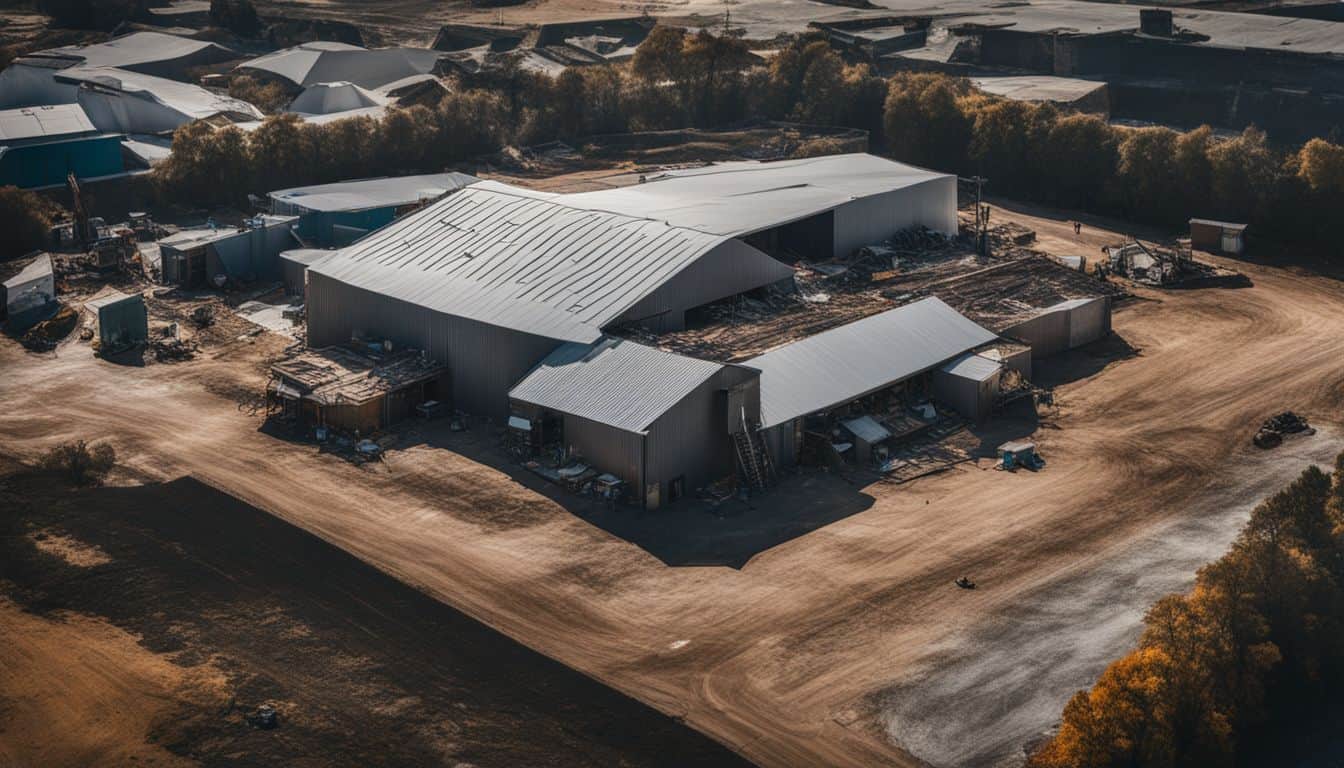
676, 80
680, 79
1155, 175
1251, 653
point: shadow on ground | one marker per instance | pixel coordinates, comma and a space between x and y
688, 532
1083, 362
365, 670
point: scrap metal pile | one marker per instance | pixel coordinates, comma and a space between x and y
1275, 427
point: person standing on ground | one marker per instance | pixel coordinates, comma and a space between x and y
1077, 228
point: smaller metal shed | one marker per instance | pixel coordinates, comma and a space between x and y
866, 433
1218, 236
41, 146
31, 293
340, 213
1064, 326
122, 320
660, 422
970, 384
196, 257
294, 266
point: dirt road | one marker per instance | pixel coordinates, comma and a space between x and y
801, 655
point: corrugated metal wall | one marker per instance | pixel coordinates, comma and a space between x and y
1089, 322
294, 272
1048, 334
484, 361
781, 443
607, 448
729, 268
873, 219
1063, 329
972, 398
691, 440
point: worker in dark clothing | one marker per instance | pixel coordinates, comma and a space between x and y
1077, 228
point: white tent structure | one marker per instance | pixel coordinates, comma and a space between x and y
331, 98
125, 85
326, 62
128, 102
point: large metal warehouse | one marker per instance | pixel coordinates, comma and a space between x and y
824, 372
493, 278
662, 422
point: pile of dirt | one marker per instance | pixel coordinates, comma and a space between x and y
44, 336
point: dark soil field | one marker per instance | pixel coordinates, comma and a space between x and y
233, 608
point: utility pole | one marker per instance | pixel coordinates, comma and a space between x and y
981, 217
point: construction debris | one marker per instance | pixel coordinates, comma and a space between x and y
265, 718
1150, 264
1275, 427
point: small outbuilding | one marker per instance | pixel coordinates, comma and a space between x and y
294, 265
196, 258
970, 384
340, 388
1064, 326
122, 320
659, 422
30, 295
1223, 237
341, 213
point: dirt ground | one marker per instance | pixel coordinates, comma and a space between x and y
804, 649
143, 623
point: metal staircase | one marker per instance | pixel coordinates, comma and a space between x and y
753, 461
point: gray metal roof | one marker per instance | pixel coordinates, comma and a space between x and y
37, 269
867, 429
615, 382
845, 363
113, 296
327, 62
135, 49
739, 198
305, 256
974, 367
520, 259
363, 194
1224, 224
44, 122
